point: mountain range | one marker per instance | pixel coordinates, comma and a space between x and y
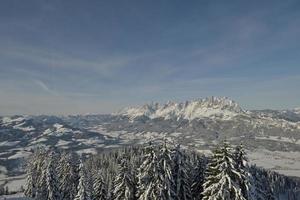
272, 137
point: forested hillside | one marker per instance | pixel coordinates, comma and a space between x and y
150, 172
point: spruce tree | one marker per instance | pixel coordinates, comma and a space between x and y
165, 180
242, 167
83, 188
148, 175
198, 178
36, 175
263, 189
222, 181
124, 185
30, 190
42, 163
99, 188
181, 175
52, 182
68, 175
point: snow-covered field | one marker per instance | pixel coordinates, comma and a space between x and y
14, 183
18, 196
287, 163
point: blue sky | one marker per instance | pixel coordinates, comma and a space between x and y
67, 57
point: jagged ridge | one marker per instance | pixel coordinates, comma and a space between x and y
221, 107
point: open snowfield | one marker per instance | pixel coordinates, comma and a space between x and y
18, 196
14, 183
287, 163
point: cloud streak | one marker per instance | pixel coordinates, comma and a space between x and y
50, 58
43, 86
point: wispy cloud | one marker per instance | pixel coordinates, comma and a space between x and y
61, 60
44, 87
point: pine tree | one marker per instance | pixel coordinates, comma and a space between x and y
198, 178
83, 188
165, 182
99, 188
52, 182
259, 188
263, 189
222, 181
42, 163
30, 190
68, 176
148, 175
181, 176
242, 167
36, 175
124, 185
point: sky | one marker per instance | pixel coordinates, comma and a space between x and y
64, 57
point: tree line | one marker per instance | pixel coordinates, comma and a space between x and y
154, 172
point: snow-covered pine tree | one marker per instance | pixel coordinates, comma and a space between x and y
31, 176
99, 188
165, 182
222, 181
30, 190
68, 175
53, 192
279, 184
135, 163
263, 189
111, 172
41, 164
148, 175
124, 185
181, 175
259, 187
198, 177
242, 167
83, 188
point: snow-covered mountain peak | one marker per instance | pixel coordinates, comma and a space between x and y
223, 103
220, 107
7, 121
58, 130
297, 110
